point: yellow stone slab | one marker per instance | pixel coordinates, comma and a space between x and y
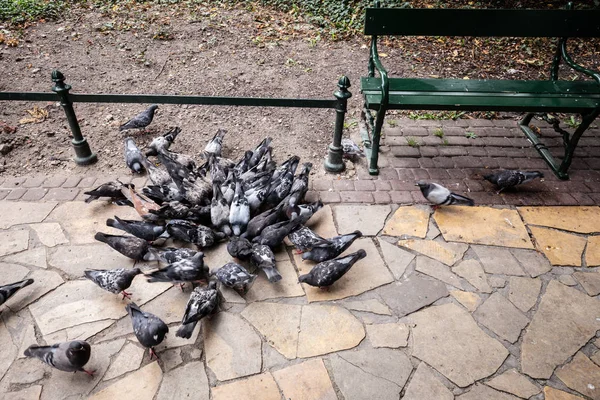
447, 253
592, 253
141, 384
470, 300
261, 386
554, 394
574, 219
308, 380
560, 248
409, 220
483, 225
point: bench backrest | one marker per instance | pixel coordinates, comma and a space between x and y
486, 22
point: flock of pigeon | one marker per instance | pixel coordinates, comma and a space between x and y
252, 202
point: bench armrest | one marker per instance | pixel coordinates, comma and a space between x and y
385, 83
569, 61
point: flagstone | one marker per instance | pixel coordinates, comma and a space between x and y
79, 332
436, 269
261, 386
288, 286
551, 393
217, 256
483, 225
532, 261
17, 213
479, 392
592, 252
322, 223
74, 260
473, 272
497, 282
498, 260
397, 259
49, 233
511, 381
409, 221
366, 274
412, 294
561, 248
11, 273
590, 281
391, 335
31, 393
369, 220
425, 385
278, 323
33, 257
501, 317
468, 299
141, 384
432, 231
170, 304
23, 372
187, 382
524, 292
13, 242
81, 220
171, 359
574, 219
581, 375
21, 328
448, 338
306, 381
596, 357
172, 341
389, 364
566, 319
327, 328
231, 296
128, 359
232, 347
448, 253
43, 282
371, 305
567, 279
9, 349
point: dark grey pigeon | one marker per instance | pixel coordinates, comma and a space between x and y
351, 149
330, 248
169, 255
216, 143
239, 212
259, 152
113, 280
300, 185
239, 248
140, 229
273, 235
187, 270
203, 301
190, 232
133, 156
263, 258
132, 247
141, 120
510, 178
441, 196
162, 142
261, 221
113, 189
7, 291
304, 239
303, 211
157, 175
149, 330
235, 276
282, 184
326, 273
67, 356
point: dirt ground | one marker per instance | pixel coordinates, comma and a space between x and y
205, 51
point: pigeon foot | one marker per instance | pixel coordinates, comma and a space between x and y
90, 373
125, 294
153, 354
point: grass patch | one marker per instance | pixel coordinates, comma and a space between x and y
412, 142
392, 122
439, 132
19, 11
470, 135
572, 122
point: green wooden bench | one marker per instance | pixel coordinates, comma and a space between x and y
382, 93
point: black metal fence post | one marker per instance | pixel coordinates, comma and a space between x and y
334, 161
83, 153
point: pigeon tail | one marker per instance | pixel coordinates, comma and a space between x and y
101, 237
36, 351
114, 223
460, 200
272, 274
186, 330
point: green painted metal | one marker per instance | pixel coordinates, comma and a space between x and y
334, 161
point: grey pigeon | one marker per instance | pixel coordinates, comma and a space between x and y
263, 258
190, 269
7, 291
67, 356
282, 184
261, 221
163, 194
219, 211
141, 120
351, 149
326, 273
273, 235
111, 189
510, 178
216, 143
239, 247
190, 232
149, 330
162, 142
140, 229
203, 301
300, 185
441, 196
259, 152
239, 212
330, 248
133, 156
304, 239
168, 254
113, 280
156, 175
304, 211
132, 247
235, 276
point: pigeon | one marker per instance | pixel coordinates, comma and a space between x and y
219, 211
203, 301
281, 185
300, 185
351, 149
326, 273
141, 120
262, 148
509, 178
162, 142
190, 232
149, 330
235, 276
179, 272
440, 196
216, 143
67, 356
273, 235
239, 247
242, 165
162, 194
239, 212
330, 248
156, 175
140, 229
141, 202
111, 189
7, 291
304, 211
113, 280
132, 247
168, 255
261, 221
304, 239
133, 156
263, 258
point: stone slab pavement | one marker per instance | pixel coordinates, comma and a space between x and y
460, 303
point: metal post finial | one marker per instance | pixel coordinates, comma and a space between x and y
334, 161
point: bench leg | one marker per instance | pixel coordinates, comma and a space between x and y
571, 145
376, 136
